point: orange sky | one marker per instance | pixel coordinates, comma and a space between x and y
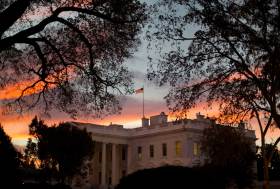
17, 125
14, 91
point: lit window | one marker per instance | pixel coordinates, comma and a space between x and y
139, 152
196, 149
151, 151
178, 148
164, 149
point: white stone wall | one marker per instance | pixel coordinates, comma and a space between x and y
187, 132
159, 159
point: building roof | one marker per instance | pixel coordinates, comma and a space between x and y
119, 132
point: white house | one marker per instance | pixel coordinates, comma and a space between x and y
120, 151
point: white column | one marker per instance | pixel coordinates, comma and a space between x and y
128, 159
103, 164
114, 165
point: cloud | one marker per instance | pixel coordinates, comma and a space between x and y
14, 91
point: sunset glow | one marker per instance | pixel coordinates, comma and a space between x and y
16, 90
17, 125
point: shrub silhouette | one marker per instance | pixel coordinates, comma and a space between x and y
9, 161
173, 177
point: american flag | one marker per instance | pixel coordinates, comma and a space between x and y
141, 90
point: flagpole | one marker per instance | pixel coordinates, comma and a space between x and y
143, 102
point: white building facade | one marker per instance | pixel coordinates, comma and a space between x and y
120, 151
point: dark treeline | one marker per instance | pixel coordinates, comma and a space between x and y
54, 154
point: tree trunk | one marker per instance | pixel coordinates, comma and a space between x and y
265, 173
265, 163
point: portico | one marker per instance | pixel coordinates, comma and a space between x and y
113, 164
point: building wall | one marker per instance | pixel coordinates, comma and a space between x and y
159, 160
188, 132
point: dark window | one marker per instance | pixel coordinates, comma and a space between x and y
100, 157
123, 173
151, 151
99, 177
164, 149
123, 153
139, 152
110, 157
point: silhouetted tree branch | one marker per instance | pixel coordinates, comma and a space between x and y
232, 60
59, 49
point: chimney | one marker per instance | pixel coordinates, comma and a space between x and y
145, 122
160, 119
241, 125
199, 116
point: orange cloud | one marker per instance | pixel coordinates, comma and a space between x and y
16, 90
33, 86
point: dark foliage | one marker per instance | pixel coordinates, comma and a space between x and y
172, 177
62, 150
30, 154
230, 153
231, 58
274, 167
9, 161
42, 186
68, 55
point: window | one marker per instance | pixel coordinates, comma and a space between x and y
100, 157
110, 177
99, 177
123, 173
178, 148
196, 149
164, 149
91, 170
139, 152
123, 153
78, 182
151, 151
110, 156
